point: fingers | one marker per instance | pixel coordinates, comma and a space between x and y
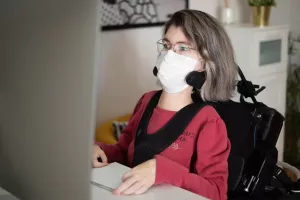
97, 164
138, 180
125, 185
97, 152
102, 155
142, 189
133, 188
127, 175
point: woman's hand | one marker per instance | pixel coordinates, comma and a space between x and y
138, 180
96, 153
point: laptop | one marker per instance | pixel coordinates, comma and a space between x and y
106, 179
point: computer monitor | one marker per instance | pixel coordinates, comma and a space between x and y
48, 69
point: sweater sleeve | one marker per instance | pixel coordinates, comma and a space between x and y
118, 152
211, 168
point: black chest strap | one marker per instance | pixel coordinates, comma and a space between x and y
149, 145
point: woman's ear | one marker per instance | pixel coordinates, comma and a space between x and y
200, 66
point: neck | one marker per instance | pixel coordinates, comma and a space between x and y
175, 102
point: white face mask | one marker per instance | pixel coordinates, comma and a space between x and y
172, 70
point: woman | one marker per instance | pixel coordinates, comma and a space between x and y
193, 41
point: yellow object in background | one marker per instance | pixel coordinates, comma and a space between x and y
104, 132
261, 15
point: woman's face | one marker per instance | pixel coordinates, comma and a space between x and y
178, 42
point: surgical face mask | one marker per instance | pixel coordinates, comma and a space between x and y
173, 69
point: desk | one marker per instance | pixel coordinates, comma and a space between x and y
4, 195
155, 193
110, 177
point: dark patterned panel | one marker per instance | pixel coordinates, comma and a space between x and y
137, 13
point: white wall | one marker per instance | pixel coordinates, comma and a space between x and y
128, 58
295, 26
129, 55
241, 12
286, 11
295, 15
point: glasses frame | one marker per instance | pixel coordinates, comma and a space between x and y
161, 42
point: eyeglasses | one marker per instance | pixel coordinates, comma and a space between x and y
179, 48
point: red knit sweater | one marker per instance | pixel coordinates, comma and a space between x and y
205, 134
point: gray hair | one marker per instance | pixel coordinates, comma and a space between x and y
215, 48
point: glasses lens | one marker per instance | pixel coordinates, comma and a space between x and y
181, 48
162, 45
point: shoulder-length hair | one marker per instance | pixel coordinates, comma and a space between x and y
215, 48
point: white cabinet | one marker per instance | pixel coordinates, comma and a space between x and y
260, 51
262, 54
